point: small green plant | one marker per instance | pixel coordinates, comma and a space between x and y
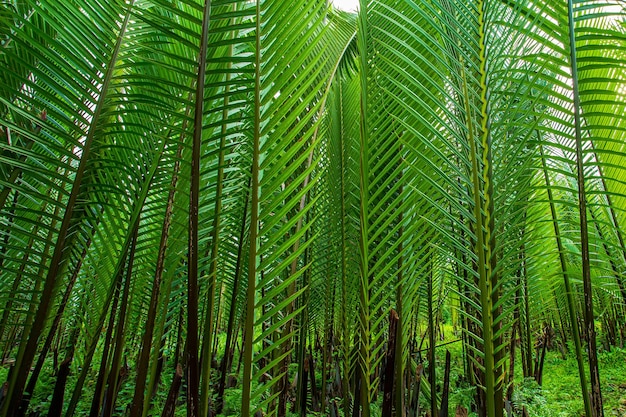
464, 396
529, 395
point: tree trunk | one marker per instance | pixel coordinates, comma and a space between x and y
104, 359
431, 348
415, 400
114, 373
590, 331
511, 374
389, 378
443, 411
56, 406
170, 403
32, 382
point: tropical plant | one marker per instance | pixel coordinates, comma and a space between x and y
298, 188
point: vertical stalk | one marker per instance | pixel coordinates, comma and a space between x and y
172, 396
389, 379
364, 290
137, 405
230, 329
482, 241
432, 368
443, 412
56, 405
345, 337
109, 403
254, 225
571, 305
104, 359
193, 371
528, 332
207, 353
490, 291
594, 373
399, 353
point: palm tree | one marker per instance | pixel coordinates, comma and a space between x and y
293, 172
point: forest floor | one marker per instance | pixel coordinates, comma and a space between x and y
559, 395
561, 388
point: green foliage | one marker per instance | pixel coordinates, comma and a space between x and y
560, 381
232, 402
416, 156
529, 395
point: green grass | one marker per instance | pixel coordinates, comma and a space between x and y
562, 389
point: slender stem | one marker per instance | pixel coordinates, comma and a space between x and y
364, 296
571, 305
594, 373
230, 329
432, 367
137, 405
254, 226
113, 380
483, 264
193, 371
207, 353
104, 359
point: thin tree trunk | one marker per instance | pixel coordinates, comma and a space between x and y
231, 331
389, 378
104, 359
326, 347
32, 382
304, 385
345, 337
314, 392
299, 404
527, 338
248, 328
511, 374
193, 366
443, 411
415, 401
571, 306
56, 405
398, 392
170, 403
114, 374
594, 372
207, 352
431, 348
356, 406
541, 356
